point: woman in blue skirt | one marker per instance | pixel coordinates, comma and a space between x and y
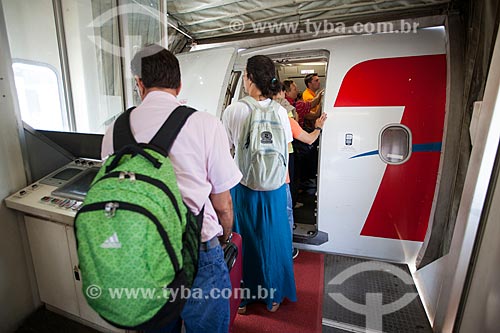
260, 216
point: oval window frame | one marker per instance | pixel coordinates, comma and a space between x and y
410, 145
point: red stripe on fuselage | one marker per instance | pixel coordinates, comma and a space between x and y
402, 206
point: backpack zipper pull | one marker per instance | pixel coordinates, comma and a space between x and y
110, 209
125, 174
131, 176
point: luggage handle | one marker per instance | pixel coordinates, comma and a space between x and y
230, 255
134, 150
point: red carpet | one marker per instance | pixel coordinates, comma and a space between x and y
302, 316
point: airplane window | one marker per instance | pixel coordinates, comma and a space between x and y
39, 96
395, 144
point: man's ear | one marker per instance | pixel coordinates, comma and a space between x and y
140, 85
137, 79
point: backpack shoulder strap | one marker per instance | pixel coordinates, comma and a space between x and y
246, 102
168, 132
122, 134
251, 102
244, 138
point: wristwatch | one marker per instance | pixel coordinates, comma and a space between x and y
319, 128
229, 238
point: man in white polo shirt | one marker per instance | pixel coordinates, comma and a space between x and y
205, 173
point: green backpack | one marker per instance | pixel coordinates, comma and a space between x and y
137, 242
262, 153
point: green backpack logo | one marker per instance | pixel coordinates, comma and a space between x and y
137, 242
262, 154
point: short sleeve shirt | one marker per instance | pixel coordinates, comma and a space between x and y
308, 95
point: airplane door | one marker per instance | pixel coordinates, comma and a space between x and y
379, 157
205, 75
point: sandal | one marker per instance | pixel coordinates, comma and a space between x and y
275, 307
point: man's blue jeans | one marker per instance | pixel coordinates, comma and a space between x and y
206, 310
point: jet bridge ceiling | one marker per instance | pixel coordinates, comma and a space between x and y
226, 20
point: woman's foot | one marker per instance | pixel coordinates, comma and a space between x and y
295, 253
275, 307
242, 309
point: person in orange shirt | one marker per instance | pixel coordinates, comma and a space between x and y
312, 83
307, 158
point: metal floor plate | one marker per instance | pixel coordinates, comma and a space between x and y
362, 294
304, 230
